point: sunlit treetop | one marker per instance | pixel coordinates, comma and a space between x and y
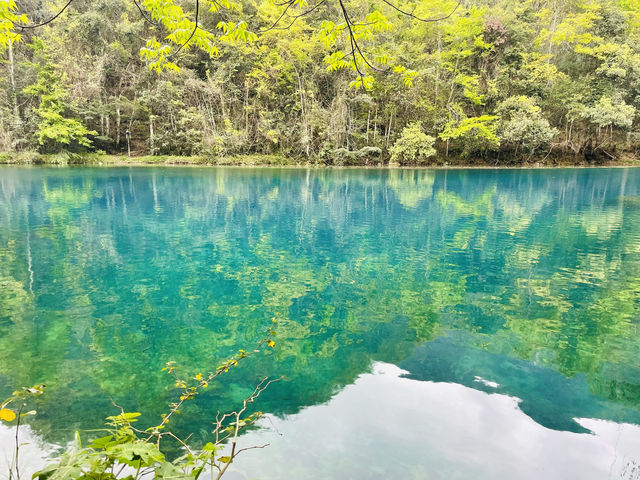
348, 35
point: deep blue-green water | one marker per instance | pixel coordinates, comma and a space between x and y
433, 324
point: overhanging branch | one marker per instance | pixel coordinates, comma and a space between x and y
47, 21
425, 20
193, 32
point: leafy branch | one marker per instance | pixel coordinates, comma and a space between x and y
137, 452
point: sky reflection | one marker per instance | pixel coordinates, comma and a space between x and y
387, 426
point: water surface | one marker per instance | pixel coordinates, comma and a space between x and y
494, 307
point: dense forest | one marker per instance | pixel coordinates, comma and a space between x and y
335, 82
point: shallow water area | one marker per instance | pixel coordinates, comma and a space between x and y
440, 324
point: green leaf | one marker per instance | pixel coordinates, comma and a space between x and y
135, 454
101, 443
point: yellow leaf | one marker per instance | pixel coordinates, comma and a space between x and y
271, 343
199, 377
7, 415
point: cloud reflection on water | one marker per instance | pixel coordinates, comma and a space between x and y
387, 426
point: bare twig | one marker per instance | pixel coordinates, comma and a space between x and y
355, 47
117, 475
181, 442
262, 386
352, 40
251, 448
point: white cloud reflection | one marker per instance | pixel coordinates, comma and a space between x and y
388, 427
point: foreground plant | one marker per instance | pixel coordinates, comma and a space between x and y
13, 410
128, 452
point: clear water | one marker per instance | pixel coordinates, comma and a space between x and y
473, 294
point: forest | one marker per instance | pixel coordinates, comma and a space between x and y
334, 82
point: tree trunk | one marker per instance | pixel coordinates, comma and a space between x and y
246, 109
306, 139
223, 108
12, 77
368, 118
347, 125
386, 143
151, 133
554, 25
118, 119
436, 81
375, 125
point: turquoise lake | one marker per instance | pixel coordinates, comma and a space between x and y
433, 323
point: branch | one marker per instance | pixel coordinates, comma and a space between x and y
425, 20
181, 442
295, 18
17, 457
355, 46
192, 33
144, 15
262, 386
251, 448
351, 39
188, 394
48, 21
219, 11
289, 4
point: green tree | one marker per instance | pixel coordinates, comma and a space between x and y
55, 130
472, 135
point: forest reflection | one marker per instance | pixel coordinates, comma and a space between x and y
526, 278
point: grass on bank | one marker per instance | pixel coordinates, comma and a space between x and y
102, 159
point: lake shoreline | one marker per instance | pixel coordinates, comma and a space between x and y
278, 161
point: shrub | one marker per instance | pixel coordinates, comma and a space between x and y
341, 156
413, 146
523, 125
